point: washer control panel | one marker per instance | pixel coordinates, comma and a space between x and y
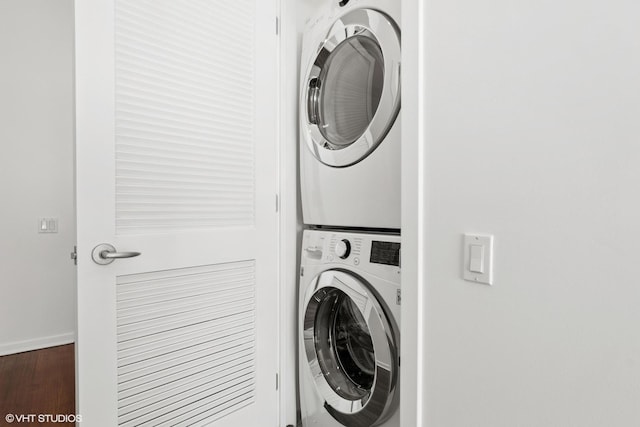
379, 253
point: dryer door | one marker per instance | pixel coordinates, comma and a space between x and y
351, 349
351, 91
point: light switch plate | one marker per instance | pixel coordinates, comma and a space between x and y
478, 258
47, 225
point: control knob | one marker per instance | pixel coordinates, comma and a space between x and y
343, 248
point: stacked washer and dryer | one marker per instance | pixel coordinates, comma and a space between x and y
349, 311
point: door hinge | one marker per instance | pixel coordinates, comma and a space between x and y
277, 382
277, 203
301, 271
74, 255
399, 297
277, 25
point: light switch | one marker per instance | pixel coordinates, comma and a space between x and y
478, 258
47, 225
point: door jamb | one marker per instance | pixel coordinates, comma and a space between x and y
290, 217
414, 202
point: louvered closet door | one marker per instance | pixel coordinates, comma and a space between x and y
176, 159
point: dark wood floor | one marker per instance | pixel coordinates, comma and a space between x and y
38, 382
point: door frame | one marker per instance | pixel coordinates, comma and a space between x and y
414, 202
290, 212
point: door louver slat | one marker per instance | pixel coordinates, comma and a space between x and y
186, 344
184, 115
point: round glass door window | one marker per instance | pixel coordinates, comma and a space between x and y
353, 79
351, 91
351, 349
344, 347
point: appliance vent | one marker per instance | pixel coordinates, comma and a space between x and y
184, 115
186, 344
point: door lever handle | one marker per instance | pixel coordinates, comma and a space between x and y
116, 255
105, 253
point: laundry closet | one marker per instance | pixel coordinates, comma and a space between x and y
242, 260
349, 274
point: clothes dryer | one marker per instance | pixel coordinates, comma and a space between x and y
350, 116
349, 319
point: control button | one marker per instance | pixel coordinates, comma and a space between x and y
343, 248
356, 261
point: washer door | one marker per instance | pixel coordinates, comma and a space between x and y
351, 92
351, 349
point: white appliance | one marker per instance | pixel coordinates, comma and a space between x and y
349, 116
349, 322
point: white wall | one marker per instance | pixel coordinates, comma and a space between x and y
37, 277
533, 135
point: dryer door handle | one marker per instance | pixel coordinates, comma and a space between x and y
313, 98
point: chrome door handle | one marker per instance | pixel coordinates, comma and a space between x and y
105, 253
116, 255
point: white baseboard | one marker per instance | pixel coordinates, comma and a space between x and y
37, 343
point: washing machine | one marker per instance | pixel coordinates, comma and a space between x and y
350, 116
349, 319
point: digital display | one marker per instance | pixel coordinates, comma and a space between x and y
387, 253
